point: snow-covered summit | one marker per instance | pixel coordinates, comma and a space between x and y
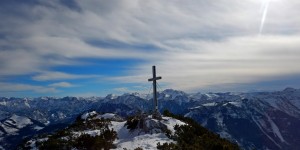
145, 137
172, 94
95, 115
111, 96
289, 90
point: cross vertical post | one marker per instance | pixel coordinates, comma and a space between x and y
156, 114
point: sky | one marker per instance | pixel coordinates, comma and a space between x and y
97, 47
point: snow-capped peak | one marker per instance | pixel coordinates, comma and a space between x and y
12, 124
146, 137
88, 114
289, 89
170, 94
19, 121
111, 96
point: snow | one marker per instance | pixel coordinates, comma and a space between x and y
86, 115
196, 107
132, 140
14, 123
171, 122
8, 122
237, 104
210, 96
1, 148
138, 138
47, 123
20, 122
262, 123
38, 128
210, 104
112, 96
107, 116
196, 96
272, 101
262, 129
282, 100
26, 104
275, 129
145, 141
225, 134
89, 132
172, 94
32, 143
141, 95
3, 103
219, 119
9, 130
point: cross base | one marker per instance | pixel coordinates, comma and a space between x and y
156, 115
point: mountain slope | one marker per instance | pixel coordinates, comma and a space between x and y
252, 123
14, 128
260, 120
109, 131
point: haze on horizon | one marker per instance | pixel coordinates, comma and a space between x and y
97, 47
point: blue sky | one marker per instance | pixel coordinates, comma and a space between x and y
97, 47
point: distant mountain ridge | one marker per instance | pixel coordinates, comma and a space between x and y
261, 120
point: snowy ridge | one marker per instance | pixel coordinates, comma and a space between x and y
132, 140
235, 109
252, 118
13, 128
210, 104
126, 138
14, 123
19, 121
146, 139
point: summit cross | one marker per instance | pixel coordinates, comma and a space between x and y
155, 113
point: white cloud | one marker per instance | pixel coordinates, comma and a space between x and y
238, 60
15, 87
49, 76
122, 90
61, 84
139, 89
201, 43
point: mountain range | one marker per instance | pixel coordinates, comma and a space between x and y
255, 120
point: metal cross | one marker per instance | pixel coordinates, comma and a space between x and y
154, 88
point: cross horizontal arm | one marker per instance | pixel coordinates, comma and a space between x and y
152, 79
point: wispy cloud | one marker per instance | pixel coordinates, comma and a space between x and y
238, 60
48, 76
61, 84
134, 89
194, 43
14, 87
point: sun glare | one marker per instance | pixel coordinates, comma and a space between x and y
265, 5
264, 10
